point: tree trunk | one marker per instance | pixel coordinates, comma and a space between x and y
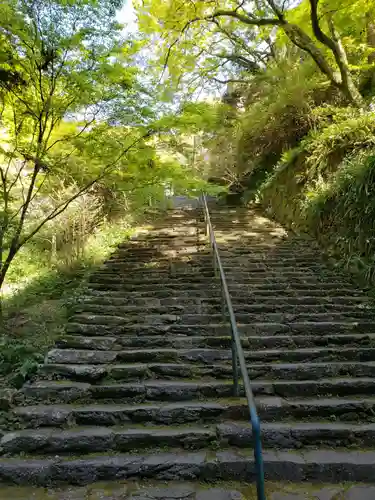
347, 84
370, 35
2, 278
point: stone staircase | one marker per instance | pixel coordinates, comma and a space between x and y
140, 384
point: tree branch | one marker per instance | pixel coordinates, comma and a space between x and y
230, 80
318, 32
60, 208
263, 21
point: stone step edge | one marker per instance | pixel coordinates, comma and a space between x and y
316, 465
114, 353
254, 366
65, 392
125, 342
185, 384
52, 440
63, 412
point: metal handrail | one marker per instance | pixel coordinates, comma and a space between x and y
238, 356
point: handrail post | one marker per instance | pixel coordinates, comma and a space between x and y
258, 456
236, 390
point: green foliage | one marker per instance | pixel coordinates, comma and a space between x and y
36, 312
280, 117
326, 147
18, 360
342, 215
326, 186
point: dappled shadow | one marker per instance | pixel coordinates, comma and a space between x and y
259, 257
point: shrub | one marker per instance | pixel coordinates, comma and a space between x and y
326, 186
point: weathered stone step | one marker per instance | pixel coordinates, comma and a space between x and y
126, 282
181, 390
104, 439
101, 319
205, 307
124, 260
287, 308
145, 309
357, 301
160, 243
231, 256
150, 490
159, 390
264, 253
208, 356
248, 230
216, 299
116, 414
204, 319
269, 293
183, 412
322, 328
324, 464
117, 268
187, 342
112, 273
204, 258
265, 285
118, 281
297, 435
268, 371
150, 253
156, 236
283, 246
242, 277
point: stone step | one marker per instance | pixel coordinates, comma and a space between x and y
208, 356
52, 441
116, 414
204, 257
242, 268
101, 319
126, 260
145, 309
205, 307
160, 243
270, 408
266, 293
150, 490
204, 319
287, 308
185, 270
325, 464
143, 371
155, 235
216, 329
298, 435
188, 342
155, 279
241, 277
151, 253
104, 439
127, 281
265, 252
181, 390
278, 301
265, 285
